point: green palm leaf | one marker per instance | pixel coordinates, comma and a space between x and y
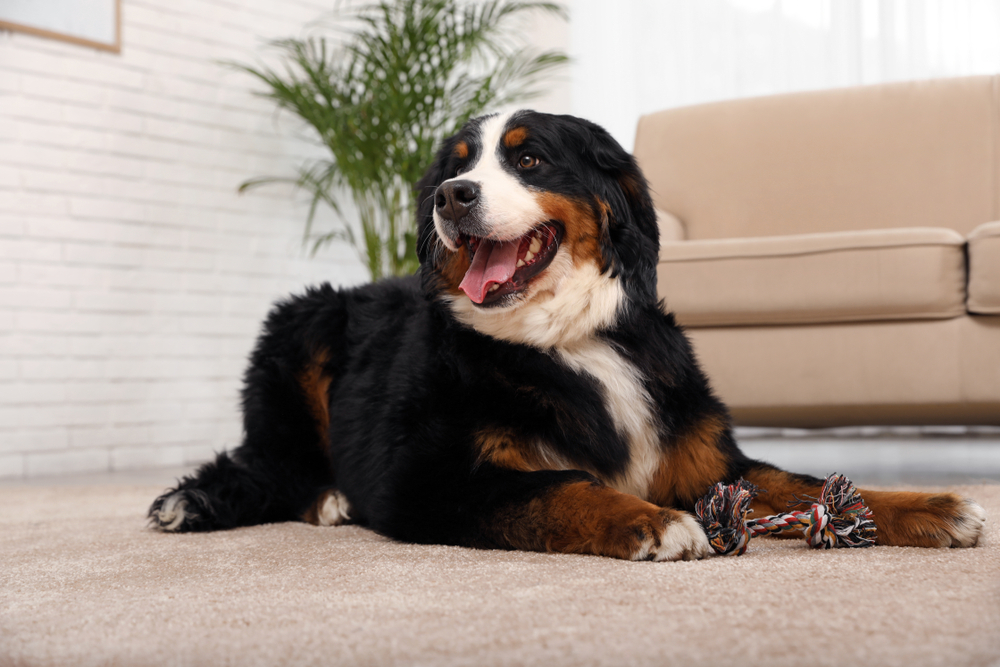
407, 74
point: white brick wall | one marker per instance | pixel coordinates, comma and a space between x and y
133, 278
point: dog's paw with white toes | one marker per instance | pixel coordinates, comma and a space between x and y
178, 511
968, 524
330, 509
681, 539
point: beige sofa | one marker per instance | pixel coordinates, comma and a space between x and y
835, 255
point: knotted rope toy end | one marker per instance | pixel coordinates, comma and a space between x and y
838, 518
723, 515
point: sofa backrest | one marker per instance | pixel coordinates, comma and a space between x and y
914, 154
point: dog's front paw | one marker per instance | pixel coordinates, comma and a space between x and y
179, 511
682, 538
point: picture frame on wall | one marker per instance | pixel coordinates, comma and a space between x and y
93, 23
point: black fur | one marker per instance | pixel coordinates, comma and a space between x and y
410, 386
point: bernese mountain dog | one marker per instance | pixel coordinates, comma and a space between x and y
526, 389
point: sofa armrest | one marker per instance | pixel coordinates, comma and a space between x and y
671, 227
984, 269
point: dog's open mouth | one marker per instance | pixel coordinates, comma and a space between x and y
502, 268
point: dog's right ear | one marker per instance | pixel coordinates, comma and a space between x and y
423, 192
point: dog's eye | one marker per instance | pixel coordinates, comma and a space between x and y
527, 162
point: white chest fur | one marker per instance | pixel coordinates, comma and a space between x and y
574, 302
629, 404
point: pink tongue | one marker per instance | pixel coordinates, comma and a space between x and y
493, 263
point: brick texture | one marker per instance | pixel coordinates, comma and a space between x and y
133, 277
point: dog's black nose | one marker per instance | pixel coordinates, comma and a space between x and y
454, 199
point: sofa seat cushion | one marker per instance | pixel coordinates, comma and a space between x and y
984, 269
881, 274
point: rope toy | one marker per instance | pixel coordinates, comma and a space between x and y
838, 518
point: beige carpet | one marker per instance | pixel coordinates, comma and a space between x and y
82, 582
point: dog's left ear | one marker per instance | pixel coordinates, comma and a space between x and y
633, 232
423, 193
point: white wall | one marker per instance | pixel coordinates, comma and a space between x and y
648, 55
133, 278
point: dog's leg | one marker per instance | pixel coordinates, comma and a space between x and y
571, 512
695, 459
221, 494
284, 461
903, 518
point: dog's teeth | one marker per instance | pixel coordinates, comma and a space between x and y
530, 256
520, 263
494, 287
536, 245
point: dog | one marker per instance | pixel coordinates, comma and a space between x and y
526, 389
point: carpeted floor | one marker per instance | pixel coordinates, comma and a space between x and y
83, 582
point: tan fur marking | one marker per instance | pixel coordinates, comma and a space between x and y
690, 466
503, 448
604, 224
587, 518
515, 137
316, 385
903, 518
583, 231
461, 150
453, 269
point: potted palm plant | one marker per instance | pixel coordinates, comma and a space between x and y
409, 73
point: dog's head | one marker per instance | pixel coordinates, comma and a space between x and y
536, 228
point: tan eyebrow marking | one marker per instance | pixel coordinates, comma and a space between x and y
515, 137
